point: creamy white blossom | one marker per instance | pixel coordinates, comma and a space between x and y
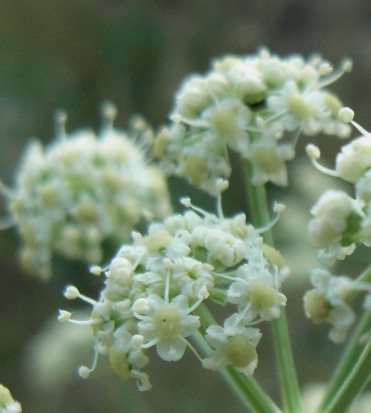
255, 105
327, 302
155, 286
83, 190
336, 223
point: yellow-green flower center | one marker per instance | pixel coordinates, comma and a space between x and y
167, 322
298, 106
239, 351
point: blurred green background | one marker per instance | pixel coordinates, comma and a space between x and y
73, 54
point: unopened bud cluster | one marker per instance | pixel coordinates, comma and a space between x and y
340, 223
82, 190
7, 403
256, 106
156, 287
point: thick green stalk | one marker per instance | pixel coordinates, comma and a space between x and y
285, 362
354, 384
247, 388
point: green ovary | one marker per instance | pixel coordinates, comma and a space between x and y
224, 121
167, 322
239, 351
298, 106
266, 159
262, 294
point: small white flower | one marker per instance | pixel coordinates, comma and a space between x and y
354, 159
269, 161
327, 302
234, 345
331, 214
166, 324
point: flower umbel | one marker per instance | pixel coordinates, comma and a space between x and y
83, 190
155, 286
256, 106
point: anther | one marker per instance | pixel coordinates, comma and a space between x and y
314, 154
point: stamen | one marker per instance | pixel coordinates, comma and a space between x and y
137, 262
97, 270
167, 287
71, 293
60, 120
193, 349
197, 303
278, 209
314, 153
346, 114
345, 66
221, 186
93, 321
151, 343
109, 113
64, 316
360, 129
198, 123
188, 204
229, 278
84, 372
325, 69
276, 116
244, 312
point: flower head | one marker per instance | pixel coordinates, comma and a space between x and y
155, 286
254, 105
83, 190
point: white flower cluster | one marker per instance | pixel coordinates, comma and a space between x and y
7, 403
339, 224
327, 302
255, 105
82, 190
156, 287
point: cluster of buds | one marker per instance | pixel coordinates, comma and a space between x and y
84, 190
157, 287
340, 223
256, 106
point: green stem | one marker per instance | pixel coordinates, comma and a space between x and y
354, 384
285, 362
247, 388
349, 360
